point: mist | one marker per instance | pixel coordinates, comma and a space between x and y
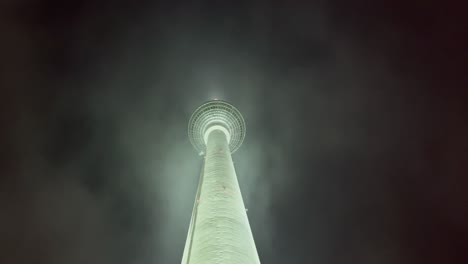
353, 151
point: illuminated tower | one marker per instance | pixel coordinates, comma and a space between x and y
219, 231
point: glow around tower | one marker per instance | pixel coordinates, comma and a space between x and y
219, 230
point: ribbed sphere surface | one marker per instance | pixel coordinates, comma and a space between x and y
216, 112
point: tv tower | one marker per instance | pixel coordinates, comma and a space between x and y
219, 231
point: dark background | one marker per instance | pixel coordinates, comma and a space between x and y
356, 146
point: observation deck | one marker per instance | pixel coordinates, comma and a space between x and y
216, 115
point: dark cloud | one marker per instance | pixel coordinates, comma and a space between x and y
355, 128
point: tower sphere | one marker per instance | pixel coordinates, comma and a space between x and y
216, 115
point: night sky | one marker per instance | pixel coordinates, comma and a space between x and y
357, 138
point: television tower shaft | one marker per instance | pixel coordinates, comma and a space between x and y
219, 231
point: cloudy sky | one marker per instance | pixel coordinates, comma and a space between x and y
356, 145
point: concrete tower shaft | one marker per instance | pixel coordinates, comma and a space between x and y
219, 231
